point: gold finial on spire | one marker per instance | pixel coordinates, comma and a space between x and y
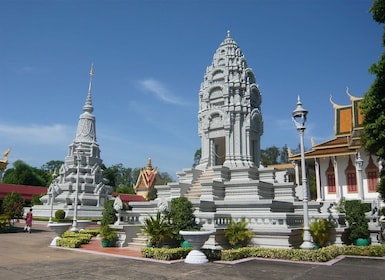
149, 165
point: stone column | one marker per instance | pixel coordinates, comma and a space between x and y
340, 193
320, 195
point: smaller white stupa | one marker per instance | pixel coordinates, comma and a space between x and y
80, 178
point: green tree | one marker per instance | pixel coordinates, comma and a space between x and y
13, 205
125, 189
163, 179
182, 216
52, 166
373, 103
270, 155
197, 157
108, 214
23, 174
284, 155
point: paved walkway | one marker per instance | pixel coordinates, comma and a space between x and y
28, 256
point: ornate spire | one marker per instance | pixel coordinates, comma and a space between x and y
86, 126
88, 106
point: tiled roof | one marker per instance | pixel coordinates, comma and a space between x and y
25, 192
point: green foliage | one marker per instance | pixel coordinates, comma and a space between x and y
274, 155
152, 193
182, 216
320, 231
158, 230
322, 255
163, 178
60, 214
13, 205
107, 233
69, 242
125, 189
237, 233
23, 174
92, 232
373, 103
197, 157
52, 166
355, 216
36, 200
108, 214
165, 254
4, 221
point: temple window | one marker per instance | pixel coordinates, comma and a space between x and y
331, 179
351, 177
372, 175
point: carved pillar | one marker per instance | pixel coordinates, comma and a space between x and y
320, 193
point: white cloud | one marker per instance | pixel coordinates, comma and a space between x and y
160, 91
37, 134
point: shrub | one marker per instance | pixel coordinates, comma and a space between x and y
107, 233
60, 214
237, 233
13, 205
181, 216
320, 231
158, 230
108, 215
355, 216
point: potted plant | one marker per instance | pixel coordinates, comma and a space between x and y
108, 236
158, 230
237, 233
358, 231
320, 232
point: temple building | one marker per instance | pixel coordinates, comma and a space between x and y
80, 179
146, 180
229, 183
342, 168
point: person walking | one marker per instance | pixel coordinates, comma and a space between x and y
28, 221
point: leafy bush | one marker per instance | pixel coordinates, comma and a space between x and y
13, 205
237, 233
355, 216
322, 255
70, 242
157, 229
107, 233
60, 214
83, 237
165, 254
181, 216
108, 214
92, 232
320, 231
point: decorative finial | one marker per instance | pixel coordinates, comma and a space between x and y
228, 34
149, 165
88, 106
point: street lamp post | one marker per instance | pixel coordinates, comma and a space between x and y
299, 118
52, 196
74, 221
359, 164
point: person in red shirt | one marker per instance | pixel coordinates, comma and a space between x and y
28, 221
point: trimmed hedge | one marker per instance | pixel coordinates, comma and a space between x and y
164, 253
321, 255
73, 240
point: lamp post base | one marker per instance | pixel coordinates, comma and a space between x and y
307, 245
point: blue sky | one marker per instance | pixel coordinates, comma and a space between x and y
149, 60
